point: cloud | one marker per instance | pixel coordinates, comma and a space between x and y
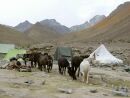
67, 12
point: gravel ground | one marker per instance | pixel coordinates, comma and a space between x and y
38, 84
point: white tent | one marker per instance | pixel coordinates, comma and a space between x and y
103, 56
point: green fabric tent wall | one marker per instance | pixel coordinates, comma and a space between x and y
13, 53
5, 48
63, 52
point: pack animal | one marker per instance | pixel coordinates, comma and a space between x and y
85, 68
63, 64
45, 61
75, 63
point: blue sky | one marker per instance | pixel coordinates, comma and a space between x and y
67, 12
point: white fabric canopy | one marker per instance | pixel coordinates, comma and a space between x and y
103, 56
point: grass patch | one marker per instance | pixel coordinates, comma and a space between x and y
119, 82
5, 96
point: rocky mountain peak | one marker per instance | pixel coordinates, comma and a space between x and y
87, 24
96, 19
22, 27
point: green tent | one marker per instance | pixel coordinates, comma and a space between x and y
5, 48
63, 52
13, 53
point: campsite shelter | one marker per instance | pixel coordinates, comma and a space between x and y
13, 53
104, 57
63, 52
5, 48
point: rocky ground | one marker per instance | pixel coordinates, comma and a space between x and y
103, 82
118, 49
36, 84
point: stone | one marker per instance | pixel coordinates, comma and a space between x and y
120, 91
94, 91
67, 91
29, 82
105, 94
43, 82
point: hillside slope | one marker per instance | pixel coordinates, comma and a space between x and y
40, 33
9, 35
116, 27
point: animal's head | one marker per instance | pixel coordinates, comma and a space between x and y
92, 58
13, 59
84, 56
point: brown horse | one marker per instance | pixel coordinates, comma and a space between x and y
75, 63
32, 57
45, 61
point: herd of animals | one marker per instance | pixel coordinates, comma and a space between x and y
79, 66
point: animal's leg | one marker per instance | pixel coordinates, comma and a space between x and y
35, 64
74, 76
25, 62
44, 67
40, 67
64, 70
74, 68
82, 77
32, 64
87, 77
51, 67
78, 72
48, 68
59, 69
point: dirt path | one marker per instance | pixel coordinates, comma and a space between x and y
12, 85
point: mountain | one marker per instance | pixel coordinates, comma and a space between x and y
80, 27
54, 25
40, 33
22, 27
96, 19
116, 27
9, 35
